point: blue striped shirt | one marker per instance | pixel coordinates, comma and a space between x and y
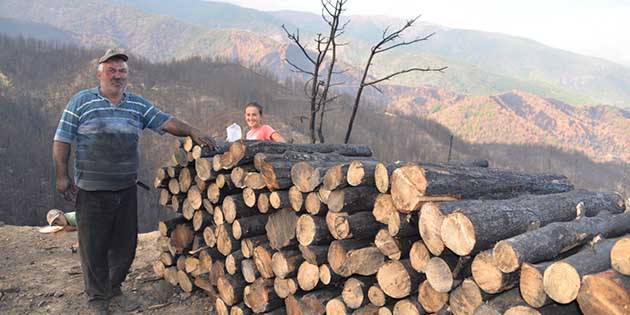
107, 135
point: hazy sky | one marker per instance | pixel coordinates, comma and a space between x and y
593, 27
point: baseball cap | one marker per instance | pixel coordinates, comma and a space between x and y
113, 52
52, 215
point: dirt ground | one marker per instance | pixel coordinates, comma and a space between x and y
39, 274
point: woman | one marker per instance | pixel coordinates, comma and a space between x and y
258, 131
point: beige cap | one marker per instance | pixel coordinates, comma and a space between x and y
52, 215
113, 52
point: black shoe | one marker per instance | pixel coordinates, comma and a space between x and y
98, 307
125, 303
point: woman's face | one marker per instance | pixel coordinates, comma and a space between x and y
252, 117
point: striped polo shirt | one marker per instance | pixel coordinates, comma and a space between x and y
107, 156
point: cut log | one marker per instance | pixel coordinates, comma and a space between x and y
314, 254
348, 257
307, 176
220, 307
430, 299
165, 197
331, 217
605, 293
383, 207
249, 270
367, 309
216, 272
335, 177
244, 152
216, 193
173, 186
231, 288
336, 307
555, 238
248, 245
307, 276
361, 173
277, 174
261, 297
217, 216
382, 174
280, 229
249, 226
408, 307
255, 180
207, 152
263, 202
234, 207
210, 236
166, 227
488, 276
312, 303
201, 219
239, 174
442, 271
173, 171
377, 297
187, 210
327, 276
352, 199
397, 279
411, 182
478, 225
562, 279
402, 225
208, 206
620, 253
233, 262
225, 242
170, 275
312, 230
279, 199
182, 237
355, 291
194, 197
522, 310
207, 257
250, 196
419, 256
393, 247
466, 298
191, 265
177, 202
240, 309
285, 263
360, 225
186, 177
296, 199
263, 259
285, 287
203, 168
314, 205
498, 304
324, 194
180, 157
531, 284
184, 281
201, 183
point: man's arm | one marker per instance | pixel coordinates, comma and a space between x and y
179, 128
63, 184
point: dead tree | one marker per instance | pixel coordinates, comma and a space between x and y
331, 13
388, 42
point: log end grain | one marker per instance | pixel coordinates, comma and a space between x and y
308, 276
505, 257
439, 275
356, 173
336, 307
381, 178
531, 285
430, 226
620, 256
419, 256
600, 294
521, 310
408, 185
562, 282
486, 274
465, 298
394, 280
458, 234
430, 299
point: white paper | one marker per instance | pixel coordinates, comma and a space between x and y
234, 132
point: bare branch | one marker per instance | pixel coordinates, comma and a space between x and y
404, 71
404, 43
297, 68
296, 39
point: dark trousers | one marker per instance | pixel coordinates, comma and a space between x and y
108, 235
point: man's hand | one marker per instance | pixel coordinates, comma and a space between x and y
66, 188
201, 138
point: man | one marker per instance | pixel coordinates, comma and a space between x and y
106, 122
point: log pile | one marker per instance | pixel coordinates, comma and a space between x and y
311, 229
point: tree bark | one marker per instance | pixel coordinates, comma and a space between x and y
551, 240
478, 224
314, 254
411, 182
352, 199
249, 226
360, 225
166, 227
402, 225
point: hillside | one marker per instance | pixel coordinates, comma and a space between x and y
482, 63
209, 94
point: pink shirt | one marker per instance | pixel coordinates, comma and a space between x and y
262, 133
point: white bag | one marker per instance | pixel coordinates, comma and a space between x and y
234, 132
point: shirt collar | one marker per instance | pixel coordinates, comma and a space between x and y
97, 91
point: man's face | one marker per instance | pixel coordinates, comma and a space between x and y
113, 76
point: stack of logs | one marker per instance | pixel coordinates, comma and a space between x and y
322, 228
